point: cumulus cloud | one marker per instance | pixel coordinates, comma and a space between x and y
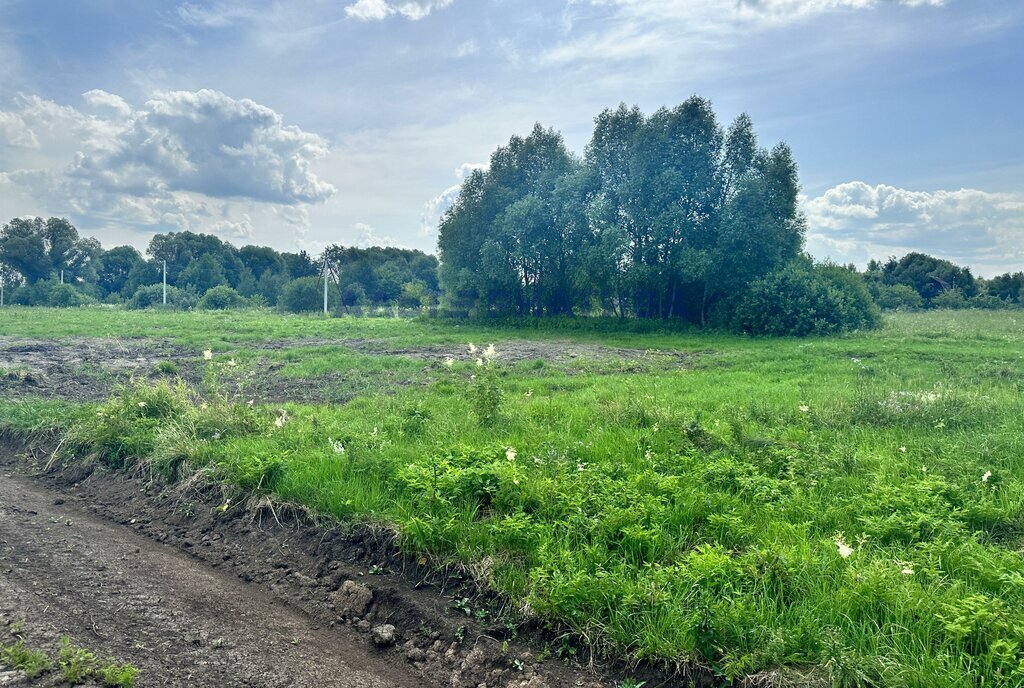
15, 133
180, 160
367, 236
376, 10
856, 221
434, 209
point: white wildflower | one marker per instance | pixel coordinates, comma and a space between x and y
844, 549
232, 363
529, 393
581, 467
907, 570
337, 446
510, 454
984, 478
804, 408
282, 418
142, 404
903, 450
208, 355
479, 362
472, 348
855, 359
449, 362
490, 352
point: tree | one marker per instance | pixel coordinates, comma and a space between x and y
1008, 286
38, 249
928, 275
115, 268
202, 274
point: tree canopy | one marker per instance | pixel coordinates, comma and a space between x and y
665, 216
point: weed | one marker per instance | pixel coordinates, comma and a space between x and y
33, 662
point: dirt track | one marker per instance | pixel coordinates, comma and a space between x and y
166, 578
120, 594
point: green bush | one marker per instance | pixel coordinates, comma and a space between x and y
951, 298
990, 302
899, 297
66, 296
804, 299
222, 298
151, 296
305, 295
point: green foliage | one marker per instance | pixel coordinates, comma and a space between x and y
929, 276
950, 298
17, 656
78, 665
806, 299
303, 295
221, 298
838, 511
664, 217
898, 297
152, 297
66, 296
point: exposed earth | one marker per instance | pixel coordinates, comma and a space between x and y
197, 590
89, 369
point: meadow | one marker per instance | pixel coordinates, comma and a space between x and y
824, 511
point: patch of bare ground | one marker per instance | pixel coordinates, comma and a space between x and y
199, 586
90, 369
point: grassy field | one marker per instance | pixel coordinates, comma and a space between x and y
846, 510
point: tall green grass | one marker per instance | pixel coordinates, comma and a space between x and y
844, 510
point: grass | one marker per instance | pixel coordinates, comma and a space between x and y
846, 510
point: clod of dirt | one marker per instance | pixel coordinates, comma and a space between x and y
383, 635
352, 600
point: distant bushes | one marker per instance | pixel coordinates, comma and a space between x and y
222, 298
152, 296
805, 299
304, 295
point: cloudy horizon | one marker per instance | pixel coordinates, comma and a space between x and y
296, 125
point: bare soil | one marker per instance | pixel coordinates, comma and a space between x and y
89, 369
201, 587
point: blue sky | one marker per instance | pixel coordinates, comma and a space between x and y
297, 124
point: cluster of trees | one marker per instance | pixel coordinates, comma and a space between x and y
46, 262
665, 216
918, 280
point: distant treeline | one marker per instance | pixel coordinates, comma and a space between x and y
667, 216
46, 262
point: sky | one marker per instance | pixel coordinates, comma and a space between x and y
302, 123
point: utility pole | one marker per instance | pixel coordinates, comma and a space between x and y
325, 285
165, 282
62, 276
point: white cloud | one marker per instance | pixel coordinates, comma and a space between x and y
184, 160
857, 221
434, 209
366, 236
665, 28
15, 133
376, 10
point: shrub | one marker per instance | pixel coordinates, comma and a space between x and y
151, 296
898, 297
951, 298
304, 295
990, 302
222, 298
65, 296
804, 299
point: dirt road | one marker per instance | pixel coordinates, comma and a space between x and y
122, 595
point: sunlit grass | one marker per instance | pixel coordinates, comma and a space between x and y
697, 515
